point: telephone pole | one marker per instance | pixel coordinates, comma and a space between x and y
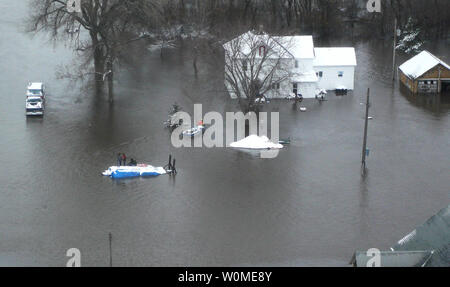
364, 150
395, 46
110, 249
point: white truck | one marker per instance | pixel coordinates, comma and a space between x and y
35, 99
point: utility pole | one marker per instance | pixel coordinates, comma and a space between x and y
365, 130
395, 46
439, 87
110, 249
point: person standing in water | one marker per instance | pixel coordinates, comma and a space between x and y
119, 159
124, 159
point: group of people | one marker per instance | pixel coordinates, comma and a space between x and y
122, 160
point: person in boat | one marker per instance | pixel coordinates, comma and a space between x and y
133, 162
124, 159
119, 159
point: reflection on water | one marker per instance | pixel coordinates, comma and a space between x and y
308, 206
438, 104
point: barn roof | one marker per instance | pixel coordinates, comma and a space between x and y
335, 57
420, 64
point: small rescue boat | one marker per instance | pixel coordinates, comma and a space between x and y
141, 170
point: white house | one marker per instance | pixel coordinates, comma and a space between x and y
311, 69
335, 67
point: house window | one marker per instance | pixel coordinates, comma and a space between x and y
244, 65
276, 86
319, 74
340, 74
296, 63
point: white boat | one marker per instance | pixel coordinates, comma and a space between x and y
303, 109
256, 142
141, 170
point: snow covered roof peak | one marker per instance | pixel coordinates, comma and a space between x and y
300, 47
335, 57
420, 64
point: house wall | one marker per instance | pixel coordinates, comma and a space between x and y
330, 79
307, 90
405, 80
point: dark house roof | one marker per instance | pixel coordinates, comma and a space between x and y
432, 235
426, 246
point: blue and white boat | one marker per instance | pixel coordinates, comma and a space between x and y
141, 170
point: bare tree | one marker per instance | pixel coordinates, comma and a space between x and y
110, 24
254, 64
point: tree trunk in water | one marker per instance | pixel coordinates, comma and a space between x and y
98, 64
109, 69
195, 62
99, 70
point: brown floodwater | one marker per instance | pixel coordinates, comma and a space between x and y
310, 206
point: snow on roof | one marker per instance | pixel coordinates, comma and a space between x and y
335, 57
301, 47
35, 86
420, 64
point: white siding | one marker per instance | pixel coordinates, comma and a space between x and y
308, 90
330, 79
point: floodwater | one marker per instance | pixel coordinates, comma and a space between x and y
310, 206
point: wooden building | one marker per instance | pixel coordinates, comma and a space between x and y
425, 73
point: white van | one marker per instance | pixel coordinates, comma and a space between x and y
34, 106
36, 89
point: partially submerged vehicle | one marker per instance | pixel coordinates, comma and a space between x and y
294, 96
36, 89
320, 94
256, 142
34, 106
174, 120
341, 90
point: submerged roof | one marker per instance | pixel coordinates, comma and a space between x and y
420, 64
432, 235
335, 57
35, 86
394, 258
302, 46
